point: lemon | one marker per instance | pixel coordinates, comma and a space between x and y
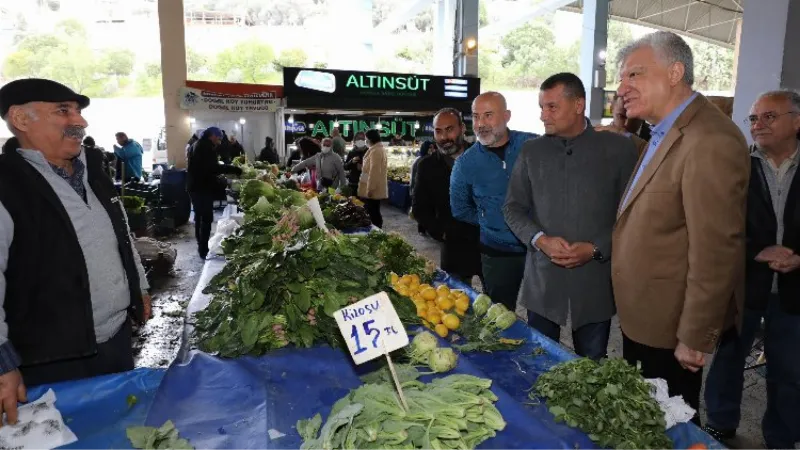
428, 293
434, 318
431, 304
415, 279
424, 286
441, 330
451, 321
443, 290
405, 280
402, 290
422, 311
394, 278
444, 303
462, 303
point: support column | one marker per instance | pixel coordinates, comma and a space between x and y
443, 36
594, 41
173, 78
357, 15
736, 49
467, 20
767, 54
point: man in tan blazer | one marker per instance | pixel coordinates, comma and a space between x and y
678, 245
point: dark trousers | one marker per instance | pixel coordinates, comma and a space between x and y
502, 277
203, 205
781, 422
590, 340
466, 279
661, 363
373, 208
113, 356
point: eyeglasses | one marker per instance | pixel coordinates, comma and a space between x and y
767, 118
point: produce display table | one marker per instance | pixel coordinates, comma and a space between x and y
400, 195
97, 409
240, 403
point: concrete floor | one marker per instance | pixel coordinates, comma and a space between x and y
754, 396
159, 340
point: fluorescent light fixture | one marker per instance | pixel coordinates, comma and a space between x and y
291, 118
242, 121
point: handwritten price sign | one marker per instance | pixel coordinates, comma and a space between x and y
371, 328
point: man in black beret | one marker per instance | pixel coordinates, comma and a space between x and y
69, 275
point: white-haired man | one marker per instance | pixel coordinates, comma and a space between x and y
772, 283
69, 275
679, 242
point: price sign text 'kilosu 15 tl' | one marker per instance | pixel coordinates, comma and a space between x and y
371, 328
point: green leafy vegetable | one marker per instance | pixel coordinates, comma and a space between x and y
165, 437
609, 401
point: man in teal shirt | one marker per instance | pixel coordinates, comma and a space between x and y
130, 153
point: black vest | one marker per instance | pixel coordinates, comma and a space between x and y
47, 300
762, 228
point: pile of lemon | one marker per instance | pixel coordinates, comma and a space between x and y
439, 308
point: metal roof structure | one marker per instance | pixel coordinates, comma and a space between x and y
713, 21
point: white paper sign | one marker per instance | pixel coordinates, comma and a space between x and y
371, 328
316, 211
39, 425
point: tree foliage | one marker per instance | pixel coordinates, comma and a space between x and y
246, 62
118, 62
292, 57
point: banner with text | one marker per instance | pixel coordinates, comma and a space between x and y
200, 99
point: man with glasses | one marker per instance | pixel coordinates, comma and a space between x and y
772, 281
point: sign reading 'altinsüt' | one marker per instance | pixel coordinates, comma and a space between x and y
399, 83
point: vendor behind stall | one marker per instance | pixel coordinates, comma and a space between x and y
328, 166
355, 159
70, 278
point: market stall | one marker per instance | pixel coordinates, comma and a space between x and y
401, 106
254, 394
251, 112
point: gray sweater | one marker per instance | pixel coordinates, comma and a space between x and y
108, 283
569, 189
327, 166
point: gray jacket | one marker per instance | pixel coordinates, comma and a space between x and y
327, 166
569, 189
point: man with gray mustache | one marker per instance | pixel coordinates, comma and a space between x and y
70, 278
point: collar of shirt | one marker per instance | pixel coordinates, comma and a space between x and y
660, 130
761, 154
78, 179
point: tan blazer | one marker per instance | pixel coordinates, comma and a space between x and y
678, 253
374, 181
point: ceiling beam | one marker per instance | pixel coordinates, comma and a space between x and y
664, 11
501, 28
402, 16
712, 25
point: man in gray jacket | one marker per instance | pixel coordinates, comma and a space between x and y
562, 202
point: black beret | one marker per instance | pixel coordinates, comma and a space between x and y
20, 92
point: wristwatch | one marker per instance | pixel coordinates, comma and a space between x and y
596, 254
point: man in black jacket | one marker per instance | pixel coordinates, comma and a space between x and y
205, 184
460, 255
354, 160
70, 275
268, 154
773, 280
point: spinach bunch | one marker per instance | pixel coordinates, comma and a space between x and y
164, 437
610, 401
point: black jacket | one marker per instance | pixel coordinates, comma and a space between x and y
204, 169
48, 303
762, 227
269, 155
431, 205
235, 150
353, 172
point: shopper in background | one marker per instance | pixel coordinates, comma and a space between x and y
397, 140
678, 253
268, 154
108, 157
71, 277
354, 161
339, 144
460, 256
224, 149
424, 149
373, 186
562, 201
129, 153
205, 184
328, 166
236, 149
478, 187
772, 283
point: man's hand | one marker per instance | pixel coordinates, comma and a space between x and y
12, 390
773, 254
147, 306
612, 128
553, 247
787, 265
579, 254
356, 159
689, 359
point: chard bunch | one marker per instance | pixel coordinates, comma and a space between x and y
286, 229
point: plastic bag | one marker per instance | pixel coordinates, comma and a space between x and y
225, 227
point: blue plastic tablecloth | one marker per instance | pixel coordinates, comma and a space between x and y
235, 403
96, 409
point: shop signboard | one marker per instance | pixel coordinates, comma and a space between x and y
230, 97
320, 125
305, 87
